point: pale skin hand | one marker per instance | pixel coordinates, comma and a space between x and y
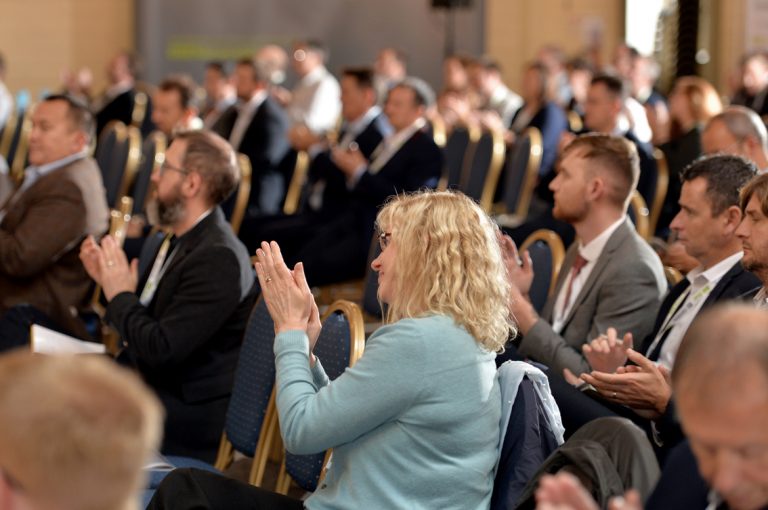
348, 160
645, 388
563, 491
287, 294
607, 353
109, 267
520, 279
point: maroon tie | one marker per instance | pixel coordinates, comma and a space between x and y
578, 265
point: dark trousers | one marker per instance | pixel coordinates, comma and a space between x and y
195, 489
16, 323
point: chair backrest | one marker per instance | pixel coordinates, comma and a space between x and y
242, 194
340, 345
662, 186
118, 225
254, 382
459, 144
9, 131
14, 144
152, 156
482, 175
296, 185
639, 214
522, 173
118, 154
547, 254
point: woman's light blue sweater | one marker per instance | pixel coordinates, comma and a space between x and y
414, 424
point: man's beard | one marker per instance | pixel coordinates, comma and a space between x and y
165, 213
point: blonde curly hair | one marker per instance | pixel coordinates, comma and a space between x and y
448, 262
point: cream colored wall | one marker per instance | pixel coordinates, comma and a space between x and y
730, 45
40, 38
516, 29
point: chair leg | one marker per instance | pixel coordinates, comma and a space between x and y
283, 480
256, 476
225, 455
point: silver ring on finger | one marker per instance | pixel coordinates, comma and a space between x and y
613, 394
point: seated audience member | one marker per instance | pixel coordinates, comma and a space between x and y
540, 112
706, 226
424, 394
605, 102
314, 107
118, 101
406, 160
753, 92
274, 61
182, 322
256, 126
597, 176
727, 435
76, 433
364, 127
553, 57
496, 97
390, 68
739, 131
219, 93
642, 78
580, 74
174, 106
692, 103
753, 233
59, 203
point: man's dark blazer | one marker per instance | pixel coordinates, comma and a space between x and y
265, 142
121, 108
646, 185
577, 409
339, 250
336, 196
187, 340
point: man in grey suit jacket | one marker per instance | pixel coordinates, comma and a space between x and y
610, 277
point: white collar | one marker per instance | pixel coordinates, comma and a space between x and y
716, 272
314, 76
359, 124
250, 106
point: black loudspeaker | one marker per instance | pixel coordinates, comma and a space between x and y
451, 4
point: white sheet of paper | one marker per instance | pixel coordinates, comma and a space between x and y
47, 341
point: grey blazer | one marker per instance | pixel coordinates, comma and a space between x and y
624, 291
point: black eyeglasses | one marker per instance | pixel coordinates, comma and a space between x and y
384, 238
165, 166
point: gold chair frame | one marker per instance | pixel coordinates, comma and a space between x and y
555, 246
499, 149
517, 217
642, 221
357, 344
662, 186
299, 177
243, 192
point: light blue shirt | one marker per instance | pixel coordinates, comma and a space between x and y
414, 424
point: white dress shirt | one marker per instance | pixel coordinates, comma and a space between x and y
590, 252
316, 101
681, 315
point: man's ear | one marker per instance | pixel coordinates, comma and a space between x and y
595, 187
733, 218
193, 185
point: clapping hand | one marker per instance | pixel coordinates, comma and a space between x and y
606, 353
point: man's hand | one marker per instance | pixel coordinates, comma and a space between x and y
117, 275
606, 353
563, 491
677, 257
90, 253
645, 387
348, 161
301, 138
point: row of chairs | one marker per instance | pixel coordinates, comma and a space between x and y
127, 164
475, 162
251, 426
